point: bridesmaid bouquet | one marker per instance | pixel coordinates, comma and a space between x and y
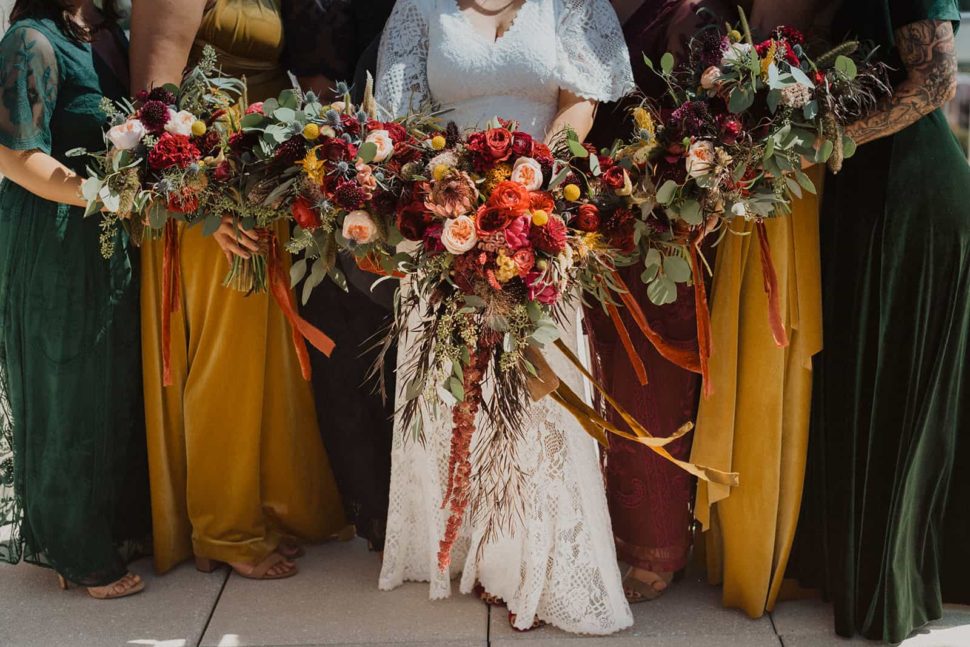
161, 151
332, 169
505, 235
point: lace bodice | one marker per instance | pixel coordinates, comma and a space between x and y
432, 52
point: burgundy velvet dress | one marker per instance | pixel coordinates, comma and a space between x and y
649, 497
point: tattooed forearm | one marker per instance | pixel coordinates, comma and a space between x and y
928, 52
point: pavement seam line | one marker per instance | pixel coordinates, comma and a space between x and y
212, 611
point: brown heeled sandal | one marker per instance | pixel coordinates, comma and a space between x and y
636, 590
260, 571
127, 586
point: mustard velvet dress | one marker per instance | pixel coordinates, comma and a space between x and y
235, 455
757, 421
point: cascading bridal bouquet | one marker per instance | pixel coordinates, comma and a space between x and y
505, 236
161, 151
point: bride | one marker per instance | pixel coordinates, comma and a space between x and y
545, 64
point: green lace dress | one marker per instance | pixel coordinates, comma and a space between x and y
885, 525
73, 484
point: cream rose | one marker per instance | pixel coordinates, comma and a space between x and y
459, 235
385, 146
360, 227
710, 77
127, 135
180, 123
528, 173
700, 158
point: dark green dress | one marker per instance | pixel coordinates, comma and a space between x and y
886, 509
73, 483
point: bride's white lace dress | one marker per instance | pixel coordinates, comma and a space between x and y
557, 561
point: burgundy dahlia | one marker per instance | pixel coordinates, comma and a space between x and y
291, 151
550, 238
349, 195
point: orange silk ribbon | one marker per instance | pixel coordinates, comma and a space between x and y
771, 289
171, 294
279, 285
702, 312
370, 264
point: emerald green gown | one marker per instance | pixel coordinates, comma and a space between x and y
885, 525
73, 476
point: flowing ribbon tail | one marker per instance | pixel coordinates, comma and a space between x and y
638, 367
300, 328
771, 289
702, 311
171, 294
369, 263
598, 427
687, 360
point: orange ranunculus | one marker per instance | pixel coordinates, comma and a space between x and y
541, 201
510, 197
492, 219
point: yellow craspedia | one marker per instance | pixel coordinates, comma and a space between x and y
440, 171
198, 128
438, 142
540, 218
735, 36
311, 132
644, 121
571, 192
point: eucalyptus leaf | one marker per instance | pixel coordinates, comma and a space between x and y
653, 258
594, 165
805, 182
801, 77
367, 152
847, 67
741, 99
848, 147
793, 186
666, 193
284, 114
773, 100
650, 274
558, 179
456, 388
577, 149
677, 269
297, 271
289, 99
662, 291
210, 224
810, 111
690, 212
252, 121
667, 63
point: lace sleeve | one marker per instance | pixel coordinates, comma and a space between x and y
28, 83
594, 62
319, 38
402, 64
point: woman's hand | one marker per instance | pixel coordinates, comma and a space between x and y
234, 240
928, 51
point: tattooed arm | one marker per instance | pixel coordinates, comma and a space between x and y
928, 52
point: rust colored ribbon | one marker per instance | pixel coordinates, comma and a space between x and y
301, 329
598, 427
171, 294
702, 312
771, 289
370, 264
687, 360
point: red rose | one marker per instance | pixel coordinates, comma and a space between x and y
550, 238
413, 220
185, 201
522, 144
541, 201
588, 218
491, 219
173, 150
511, 198
542, 154
338, 150
614, 177
305, 215
350, 124
498, 142
606, 162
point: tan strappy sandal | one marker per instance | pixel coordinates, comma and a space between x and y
260, 571
127, 586
636, 590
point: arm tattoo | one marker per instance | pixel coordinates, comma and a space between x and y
928, 52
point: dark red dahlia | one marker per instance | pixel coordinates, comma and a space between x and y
291, 151
350, 124
173, 151
208, 141
413, 220
792, 35
338, 150
542, 154
550, 238
154, 115
396, 131
619, 229
349, 195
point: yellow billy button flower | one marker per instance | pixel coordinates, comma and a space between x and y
571, 192
735, 36
540, 218
311, 132
438, 142
440, 171
199, 128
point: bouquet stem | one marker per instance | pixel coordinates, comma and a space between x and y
249, 275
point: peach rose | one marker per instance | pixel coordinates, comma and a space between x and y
710, 77
700, 159
180, 123
528, 173
459, 235
127, 135
385, 146
360, 227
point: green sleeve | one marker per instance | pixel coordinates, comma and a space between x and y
28, 89
906, 12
